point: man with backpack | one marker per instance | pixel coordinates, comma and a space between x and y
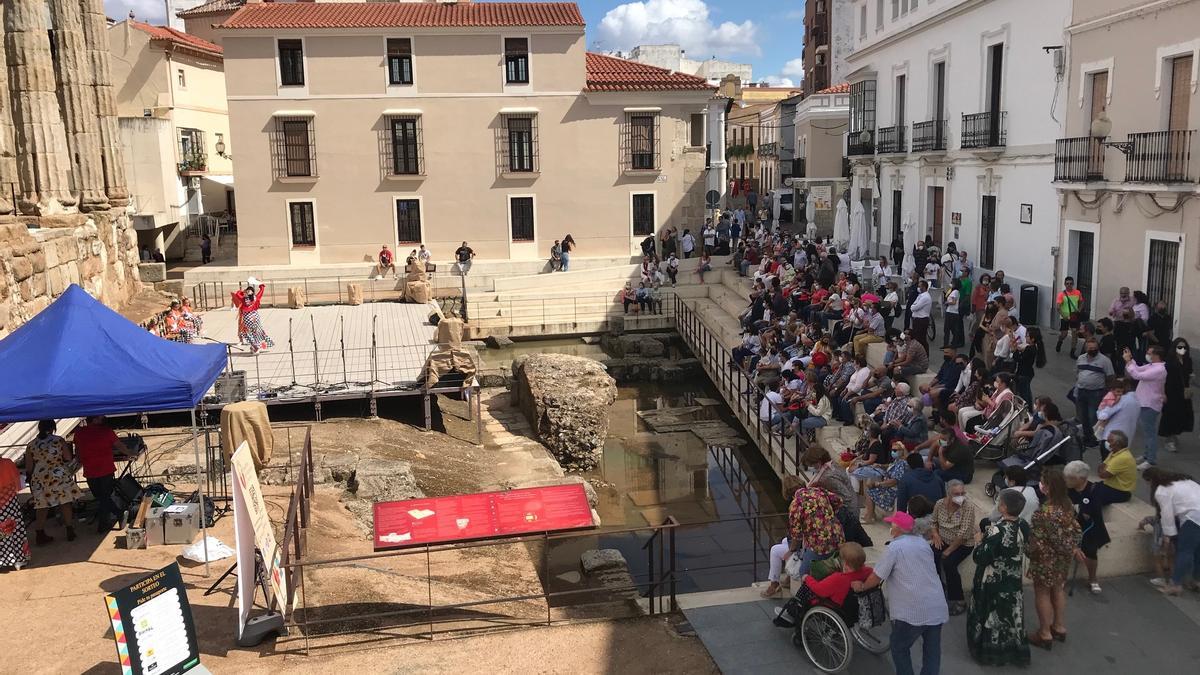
1070, 305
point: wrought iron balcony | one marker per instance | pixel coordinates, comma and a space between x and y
193, 163
893, 140
984, 130
1159, 157
768, 149
1078, 160
859, 143
929, 136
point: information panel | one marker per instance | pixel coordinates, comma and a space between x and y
152, 625
485, 515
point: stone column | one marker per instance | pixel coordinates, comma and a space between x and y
95, 35
8, 150
79, 103
43, 161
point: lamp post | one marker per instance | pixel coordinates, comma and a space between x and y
1101, 128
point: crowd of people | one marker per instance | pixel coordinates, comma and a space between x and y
809, 322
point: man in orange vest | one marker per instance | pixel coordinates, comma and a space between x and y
1070, 311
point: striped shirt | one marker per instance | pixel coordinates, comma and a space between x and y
913, 589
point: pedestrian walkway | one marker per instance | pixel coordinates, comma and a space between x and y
1129, 628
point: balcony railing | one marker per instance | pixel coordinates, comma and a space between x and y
857, 145
768, 149
1078, 160
984, 130
1160, 157
893, 140
193, 163
929, 136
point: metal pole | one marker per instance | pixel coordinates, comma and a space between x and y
291, 352
316, 362
462, 273
200, 486
342, 326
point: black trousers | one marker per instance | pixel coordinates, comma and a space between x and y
102, 488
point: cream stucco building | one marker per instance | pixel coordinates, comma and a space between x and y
170, 91
361, 124
1128, 168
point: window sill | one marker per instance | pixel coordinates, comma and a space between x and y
405, 176
520, 174
642, 172
304, 247
297, 179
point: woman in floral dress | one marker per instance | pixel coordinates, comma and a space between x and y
996, 620
14, 544
882, 492
1054, 541
813, 525
48, 462
250, 328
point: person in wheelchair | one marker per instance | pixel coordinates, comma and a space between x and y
832, 589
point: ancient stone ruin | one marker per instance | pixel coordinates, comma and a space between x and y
566, 400
62, 178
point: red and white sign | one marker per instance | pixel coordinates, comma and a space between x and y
486, 515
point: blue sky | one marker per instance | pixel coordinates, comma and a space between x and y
765, 33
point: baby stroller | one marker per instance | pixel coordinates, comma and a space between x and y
827, 631
992, 437
1031, 463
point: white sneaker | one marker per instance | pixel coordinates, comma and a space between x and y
1158, 581
1143, 465
1170, 446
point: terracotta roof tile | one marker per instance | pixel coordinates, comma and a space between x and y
210, 7
306, 15
608, 73
843, 88
178, 38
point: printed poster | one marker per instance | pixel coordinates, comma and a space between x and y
822, 196
253, 529
152, 625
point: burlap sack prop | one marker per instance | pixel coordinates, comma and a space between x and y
418, 292
247, 421
354, 294
296, 297
444, 359
450, 331
415, 272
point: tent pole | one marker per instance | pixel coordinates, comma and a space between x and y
200, 486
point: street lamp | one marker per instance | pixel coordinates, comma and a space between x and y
1101, 128
220, 146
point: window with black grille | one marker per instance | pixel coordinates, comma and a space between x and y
294, 147
643, 215
303, 223
400, 61
521, 210
404, 143
518, 144
291, 63
642, 141
408, 221
516, 60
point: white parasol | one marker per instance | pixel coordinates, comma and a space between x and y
841, 224
909, 227
810, 217
859, 237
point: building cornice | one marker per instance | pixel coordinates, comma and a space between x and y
227, 33
1122, 15
924, 24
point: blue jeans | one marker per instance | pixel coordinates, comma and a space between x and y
807, 558
1086, 402
1187, 553
566, 260
904, 636
1148, 433
812, 423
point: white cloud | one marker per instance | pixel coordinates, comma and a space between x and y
148, 11
794, 15
685, 22
794, 68
777, 81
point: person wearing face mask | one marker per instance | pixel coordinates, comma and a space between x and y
881, 491
1177, 415
1092, 370
1015, 480
1151, 379
1123, 303
907, 566
1053, 542
954, 523
996, 623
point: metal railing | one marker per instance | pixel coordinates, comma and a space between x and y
210, 295
856, 146
1160, 157
768, 149
984, 130
1078, 160
892, 140
295, 528
929, 136
738, 388
574, 308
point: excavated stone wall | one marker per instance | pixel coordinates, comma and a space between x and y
566, 400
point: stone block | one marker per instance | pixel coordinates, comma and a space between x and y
57, 281
38, 260
5, 313
71, 271
354, 294
296, 297
90, 267
50, 254
26, 290
152, 272
37, 283
14, 232
22, 268
68, 249
497, 341
450, 331
597, 560
172, 287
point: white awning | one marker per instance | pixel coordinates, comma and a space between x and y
222, 179
518, 111
651, 109
293, 113
395, 112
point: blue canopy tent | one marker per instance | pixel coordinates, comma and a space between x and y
78, 358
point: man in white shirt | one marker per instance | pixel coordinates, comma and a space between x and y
710, 237
769, 410
921, 309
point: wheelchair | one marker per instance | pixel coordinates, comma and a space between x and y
827, 632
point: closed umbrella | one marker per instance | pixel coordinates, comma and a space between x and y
858, 232
909, 227
841, 224
810, 216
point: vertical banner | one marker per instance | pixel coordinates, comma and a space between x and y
252, 528
152, 625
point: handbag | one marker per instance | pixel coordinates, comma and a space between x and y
792, 565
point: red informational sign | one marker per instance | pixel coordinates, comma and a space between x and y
486, 515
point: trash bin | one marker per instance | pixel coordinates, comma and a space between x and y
1029, 304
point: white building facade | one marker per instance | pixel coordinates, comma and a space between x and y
955, 106
674, 57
